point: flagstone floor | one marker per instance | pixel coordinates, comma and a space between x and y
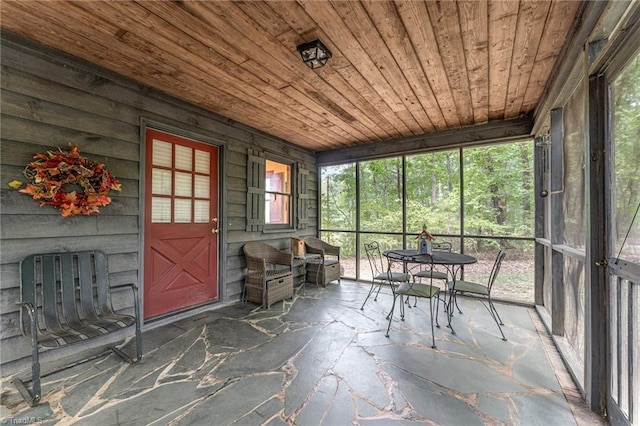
320, 360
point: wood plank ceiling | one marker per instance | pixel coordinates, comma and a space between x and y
399, 68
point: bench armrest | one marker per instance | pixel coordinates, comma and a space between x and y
28, 306
136, 309
132, 285
33, 317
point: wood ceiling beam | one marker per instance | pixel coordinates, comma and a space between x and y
489, 133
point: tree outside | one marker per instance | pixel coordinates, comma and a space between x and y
498, 208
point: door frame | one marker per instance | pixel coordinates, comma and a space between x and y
628, 47
145, 124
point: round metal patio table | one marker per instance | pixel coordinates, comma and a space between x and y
452, 261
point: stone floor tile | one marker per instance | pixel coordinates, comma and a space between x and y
320, 359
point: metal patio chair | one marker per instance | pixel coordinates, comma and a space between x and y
482, 290
432, 273
407, 287
379, 275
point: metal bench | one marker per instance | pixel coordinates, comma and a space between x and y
66, 299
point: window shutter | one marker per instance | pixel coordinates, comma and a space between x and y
303, 197
255, 190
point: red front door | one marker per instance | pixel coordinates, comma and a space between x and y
181, 223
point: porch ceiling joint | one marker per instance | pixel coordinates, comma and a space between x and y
493, 132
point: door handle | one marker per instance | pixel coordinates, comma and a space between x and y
214, 231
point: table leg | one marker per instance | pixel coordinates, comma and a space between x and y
450, 304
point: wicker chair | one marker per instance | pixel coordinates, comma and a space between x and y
325, 269
269, 276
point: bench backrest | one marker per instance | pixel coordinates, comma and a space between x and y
64, 288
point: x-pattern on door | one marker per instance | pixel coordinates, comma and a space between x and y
181, 223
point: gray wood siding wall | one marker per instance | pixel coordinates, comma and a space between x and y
50, 100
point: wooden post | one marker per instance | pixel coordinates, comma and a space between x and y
596, 339
556, 219
540, 203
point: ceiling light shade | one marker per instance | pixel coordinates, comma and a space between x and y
314, 53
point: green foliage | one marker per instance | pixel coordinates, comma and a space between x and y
626, 134
433, 192
338, 197
498, 193
381, 195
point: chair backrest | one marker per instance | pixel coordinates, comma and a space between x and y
495, 269
396, 270
375, 258
323, 248
256, 249
314, 242
442, 246
64, 287
261, 256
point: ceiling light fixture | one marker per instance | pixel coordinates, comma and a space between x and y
314, 53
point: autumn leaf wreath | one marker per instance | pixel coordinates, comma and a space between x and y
68, 181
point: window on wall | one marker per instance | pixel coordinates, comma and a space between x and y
277, 193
